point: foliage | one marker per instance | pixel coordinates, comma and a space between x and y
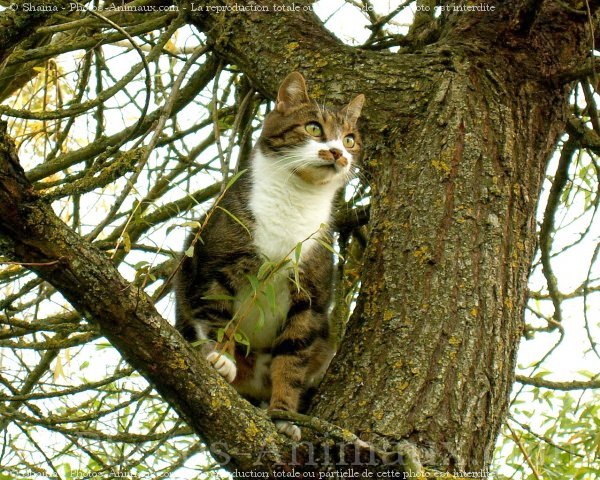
559, 434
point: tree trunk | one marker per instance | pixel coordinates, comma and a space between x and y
440, 311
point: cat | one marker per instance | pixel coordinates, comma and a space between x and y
301, 159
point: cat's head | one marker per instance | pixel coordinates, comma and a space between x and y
311, 141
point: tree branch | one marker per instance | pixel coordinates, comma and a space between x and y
547, 228
572, 385
15, 26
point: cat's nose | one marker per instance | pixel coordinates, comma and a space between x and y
336, 152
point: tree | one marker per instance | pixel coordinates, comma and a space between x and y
460, 124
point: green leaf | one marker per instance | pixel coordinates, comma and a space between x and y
254, 283
219, 297
329, 247
226, 122
261, 319
190, 251
202, 341
191, 223
297, 252
271, 298
235, 219
220, 334
297, 279
126, 242
234, 179
264, 270
242, 340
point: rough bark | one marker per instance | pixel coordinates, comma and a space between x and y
444, 282
458, 137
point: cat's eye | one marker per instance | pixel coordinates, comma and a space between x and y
349, 141
314, 129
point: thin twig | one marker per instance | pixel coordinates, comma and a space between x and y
588, 331
547, 228
517, 440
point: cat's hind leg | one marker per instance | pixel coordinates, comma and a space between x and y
297, 353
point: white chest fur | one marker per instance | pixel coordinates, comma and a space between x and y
287, 210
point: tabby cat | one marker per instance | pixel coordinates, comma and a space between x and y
301, 159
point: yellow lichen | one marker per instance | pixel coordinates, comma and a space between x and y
216, 402
441, 166
421, 252
177, 363
251, 430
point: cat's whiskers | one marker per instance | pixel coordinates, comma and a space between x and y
286, 163
356, 172
291, 175
293, 160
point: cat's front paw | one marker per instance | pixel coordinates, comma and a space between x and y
224, 365
289, 429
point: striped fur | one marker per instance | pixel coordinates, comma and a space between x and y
283, 200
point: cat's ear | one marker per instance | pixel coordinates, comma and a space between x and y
351, 112
292, 92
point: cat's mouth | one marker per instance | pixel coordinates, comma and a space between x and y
336, 167
333, 158
327, 166
321, 173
